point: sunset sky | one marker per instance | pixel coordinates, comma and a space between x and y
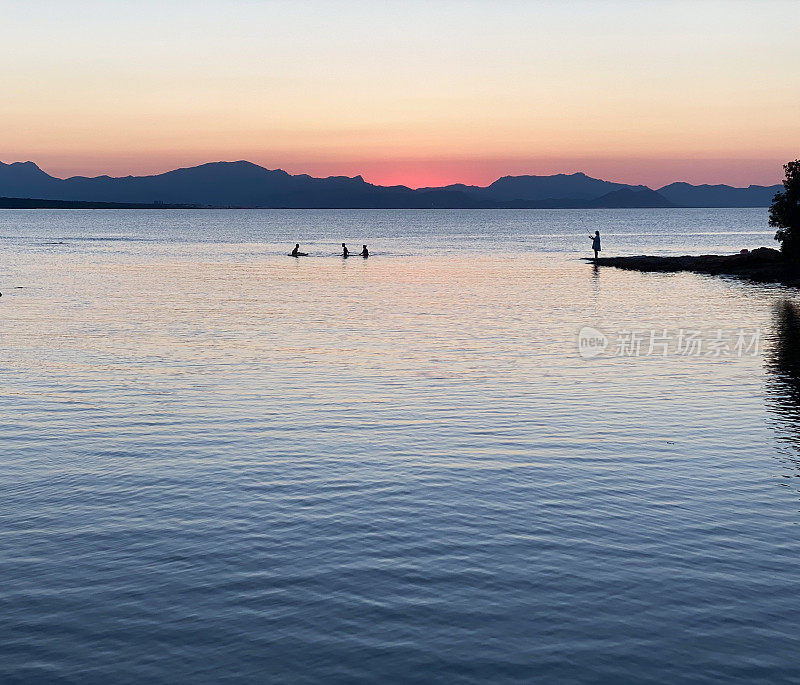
419, 93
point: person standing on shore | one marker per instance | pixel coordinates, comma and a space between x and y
596, 243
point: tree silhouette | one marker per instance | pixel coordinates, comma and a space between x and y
784, 214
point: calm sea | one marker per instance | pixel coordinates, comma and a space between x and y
223, 465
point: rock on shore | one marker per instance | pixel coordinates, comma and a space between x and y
764, 265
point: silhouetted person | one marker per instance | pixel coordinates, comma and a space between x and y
296, 252
364, 252
596, 243
345, 251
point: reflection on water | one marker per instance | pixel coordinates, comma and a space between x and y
224, 465
783, 363
595, 278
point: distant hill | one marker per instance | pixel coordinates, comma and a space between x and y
244, 184
538, 188
639, 196
617, 199
224, 184
686, 195
216, 184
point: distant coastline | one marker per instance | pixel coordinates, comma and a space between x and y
38, 203
246, 185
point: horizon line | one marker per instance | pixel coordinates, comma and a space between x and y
395, 185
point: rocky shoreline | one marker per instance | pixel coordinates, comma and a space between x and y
764, 265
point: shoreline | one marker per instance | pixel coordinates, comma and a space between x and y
762, 265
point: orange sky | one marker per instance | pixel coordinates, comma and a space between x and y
414, 93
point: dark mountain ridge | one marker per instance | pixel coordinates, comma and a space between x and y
244, 184
687, 195
576, 186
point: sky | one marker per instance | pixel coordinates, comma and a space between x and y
418, 93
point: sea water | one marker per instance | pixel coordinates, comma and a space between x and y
222, 464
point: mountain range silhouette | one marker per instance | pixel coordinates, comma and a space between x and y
244, 184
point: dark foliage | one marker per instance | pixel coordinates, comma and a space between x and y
784, 214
